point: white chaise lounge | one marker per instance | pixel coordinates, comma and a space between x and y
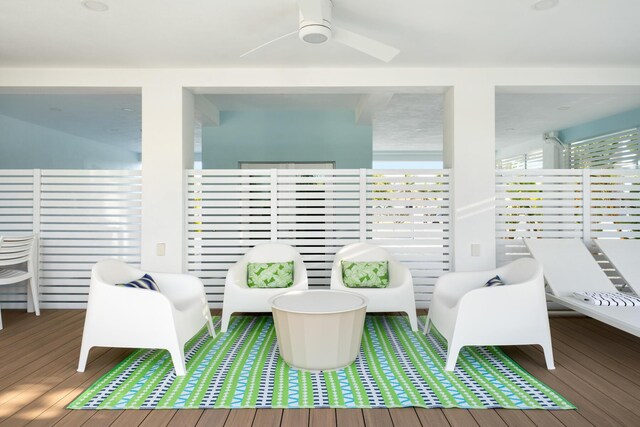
569, 267
625, 256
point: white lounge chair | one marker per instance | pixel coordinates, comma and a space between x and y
238, 297
569, 267
398, 296
466, 312
119, 316
625, 256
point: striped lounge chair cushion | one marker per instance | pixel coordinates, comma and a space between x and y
145, 282
610, 299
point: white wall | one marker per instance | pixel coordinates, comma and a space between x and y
163, 125
25, 145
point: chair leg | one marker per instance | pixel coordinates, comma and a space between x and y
177, 356
34, 295
427, 325
413, 319
548, 354
212, 331
84, 356
452, 357
226, 317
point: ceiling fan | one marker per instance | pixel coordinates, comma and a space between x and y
315, 27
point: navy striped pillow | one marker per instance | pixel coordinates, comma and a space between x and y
145, 282
494, 281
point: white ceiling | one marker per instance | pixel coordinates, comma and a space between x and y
429, 33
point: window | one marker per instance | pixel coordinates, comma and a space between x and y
615, 150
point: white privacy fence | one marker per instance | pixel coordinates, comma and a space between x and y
82, 216
318, 212
565, 203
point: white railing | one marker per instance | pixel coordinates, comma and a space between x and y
81, 216
318, 212
565, 203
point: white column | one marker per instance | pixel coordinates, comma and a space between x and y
167, 150
469, 150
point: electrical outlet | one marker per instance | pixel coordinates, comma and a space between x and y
475, 249
161, 249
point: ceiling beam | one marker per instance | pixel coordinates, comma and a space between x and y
369, 105
206, 114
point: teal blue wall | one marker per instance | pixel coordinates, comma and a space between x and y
272, 136
615, 123
25, 145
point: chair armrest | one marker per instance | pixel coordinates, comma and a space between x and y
178, 285
452, 287
237, 274
399, 274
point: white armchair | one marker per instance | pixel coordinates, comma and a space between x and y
467, 313
119, 316
238, 297
399, 296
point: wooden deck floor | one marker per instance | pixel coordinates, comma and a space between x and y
598, 369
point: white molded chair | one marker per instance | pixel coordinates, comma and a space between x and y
119, 316
238, 297
399, 296
467, 313
14, 252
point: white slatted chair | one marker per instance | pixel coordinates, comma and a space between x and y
118, 316
398, 296
239, 298
15, 252
569, 267
466, 312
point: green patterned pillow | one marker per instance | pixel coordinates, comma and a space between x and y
365, 274
270, 274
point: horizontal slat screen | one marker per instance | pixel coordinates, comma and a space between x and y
318, 212
566, 203
618, 150
82, 216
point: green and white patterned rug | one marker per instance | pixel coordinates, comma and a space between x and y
395, 368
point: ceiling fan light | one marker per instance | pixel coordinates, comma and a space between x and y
314, 33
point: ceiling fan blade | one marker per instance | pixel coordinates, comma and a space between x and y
268, 43
311, 10
364, 44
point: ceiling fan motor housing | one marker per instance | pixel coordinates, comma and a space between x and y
314, 30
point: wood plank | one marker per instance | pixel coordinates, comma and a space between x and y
213, 417
240, 418
377, 418
158, 417
460, 418
295, 418
512, 417
405, 417
487, 418
186, 417
323, 417
267, 418
349, 418
131, 418
432, 417
102, 418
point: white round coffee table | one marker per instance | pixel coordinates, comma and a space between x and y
318, 329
